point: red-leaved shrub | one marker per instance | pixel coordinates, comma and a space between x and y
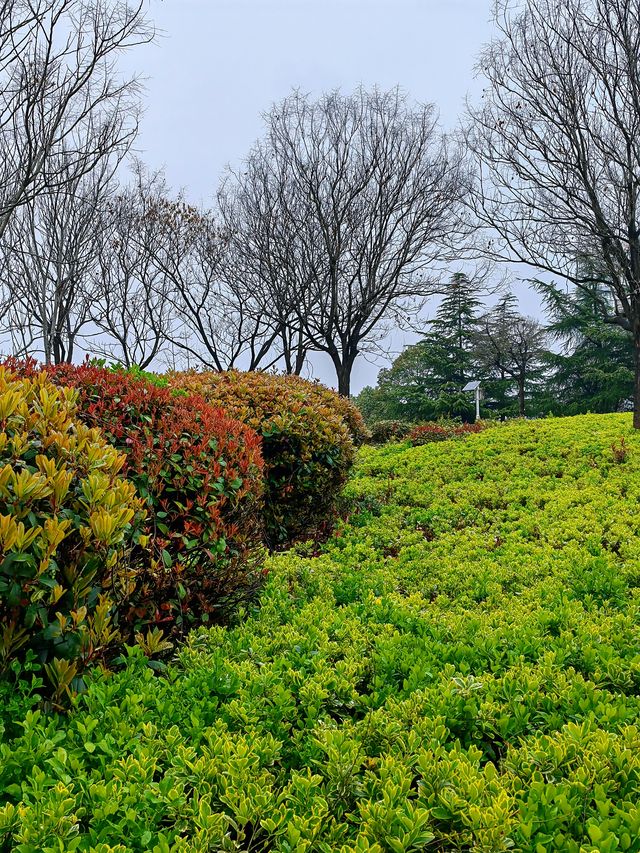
308, 435
430, 432
200, 473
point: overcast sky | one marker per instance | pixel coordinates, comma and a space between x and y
219, 64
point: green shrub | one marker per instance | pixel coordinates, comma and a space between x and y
68, 522
200, 473
308, 434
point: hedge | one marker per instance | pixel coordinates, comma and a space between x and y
383, 431
200, 473
436, 431
308, 436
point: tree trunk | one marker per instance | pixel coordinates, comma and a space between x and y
301, 355
344, 379
343, 363
521, 397
636, 380
286, 352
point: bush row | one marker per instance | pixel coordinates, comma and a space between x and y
426, 433
196, 465
308, 433
380, 432
200, 473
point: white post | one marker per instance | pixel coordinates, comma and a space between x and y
478, 403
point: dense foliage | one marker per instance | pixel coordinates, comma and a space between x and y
458, 670
308, 437
424, 382
200, 473
593, 371
68, 525
413, 389
380, 432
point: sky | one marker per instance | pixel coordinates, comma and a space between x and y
218, 65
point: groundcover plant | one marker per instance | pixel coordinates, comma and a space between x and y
457, 670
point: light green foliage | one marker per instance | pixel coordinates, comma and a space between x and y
68, 525
459, 670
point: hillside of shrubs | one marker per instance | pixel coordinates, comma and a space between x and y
456, 668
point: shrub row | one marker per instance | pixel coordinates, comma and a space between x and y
426, 433
199, 474
380, 432
458, 670
308, 433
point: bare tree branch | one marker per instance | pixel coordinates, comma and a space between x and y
341, 215
556, 142
60, 90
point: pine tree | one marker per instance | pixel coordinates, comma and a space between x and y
425, 382
452, 332
594, 369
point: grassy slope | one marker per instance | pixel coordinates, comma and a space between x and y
459, 670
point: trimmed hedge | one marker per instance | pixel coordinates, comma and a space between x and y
383, 431
68, 525
308, 442
200, 473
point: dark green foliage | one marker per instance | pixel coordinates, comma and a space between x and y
309, 434
452, 333
594, 369
511, 355
424, 382
580, 362
417, 387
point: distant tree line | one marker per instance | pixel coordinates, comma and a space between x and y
573, 363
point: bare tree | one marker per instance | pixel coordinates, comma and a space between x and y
352, 199
508, 344
132, 306
557, 144
60, 91
50, 251
263, 254
217, 319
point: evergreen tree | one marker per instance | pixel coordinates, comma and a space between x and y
594, 369
512, 353
453, 330
425, 382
